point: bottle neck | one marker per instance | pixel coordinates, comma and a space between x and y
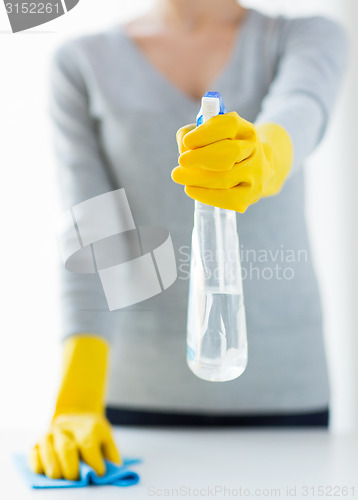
203, 208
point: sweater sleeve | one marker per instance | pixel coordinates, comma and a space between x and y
82, 173
312, 56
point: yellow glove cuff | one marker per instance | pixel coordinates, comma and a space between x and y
84, 374
278, 149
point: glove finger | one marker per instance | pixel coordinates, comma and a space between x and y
34, 461
227, 126
110, 450
48, 457
91, 454
180, 135
219, 156
200, 177
67, 454
237, 198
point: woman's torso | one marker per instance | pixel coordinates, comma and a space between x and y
138, 112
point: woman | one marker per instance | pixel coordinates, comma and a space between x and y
118, 98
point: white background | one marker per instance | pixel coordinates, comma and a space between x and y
30, 319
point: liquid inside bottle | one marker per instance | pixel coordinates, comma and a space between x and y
216, 329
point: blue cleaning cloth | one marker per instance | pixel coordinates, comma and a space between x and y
116, 475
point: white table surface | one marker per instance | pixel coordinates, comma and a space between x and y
263, 463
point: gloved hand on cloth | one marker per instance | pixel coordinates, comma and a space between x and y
79, 429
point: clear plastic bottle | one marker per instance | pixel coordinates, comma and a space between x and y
216, 328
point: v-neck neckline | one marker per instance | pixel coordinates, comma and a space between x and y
215, 84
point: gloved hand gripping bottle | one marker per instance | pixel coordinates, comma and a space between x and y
216, 328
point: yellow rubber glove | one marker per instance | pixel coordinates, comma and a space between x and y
79, 428
229, 163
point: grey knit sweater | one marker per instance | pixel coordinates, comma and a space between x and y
115, 118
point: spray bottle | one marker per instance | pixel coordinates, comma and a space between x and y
216, 326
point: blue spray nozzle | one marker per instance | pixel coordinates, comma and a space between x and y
217, 95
